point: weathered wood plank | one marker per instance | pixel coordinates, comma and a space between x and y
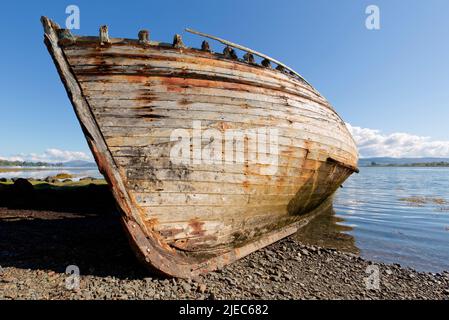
211, 187
289, 154
162, 65
208, 87
160, 145
81, 55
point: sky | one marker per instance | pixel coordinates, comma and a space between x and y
390, 85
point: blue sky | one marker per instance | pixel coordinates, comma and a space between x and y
388, 82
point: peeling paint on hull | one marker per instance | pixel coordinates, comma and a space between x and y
188, 219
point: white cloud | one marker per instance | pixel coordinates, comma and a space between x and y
50, 155
374, 143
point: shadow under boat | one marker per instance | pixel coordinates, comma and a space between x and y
51, 227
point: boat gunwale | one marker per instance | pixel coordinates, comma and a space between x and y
76, 41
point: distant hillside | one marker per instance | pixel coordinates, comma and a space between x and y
80, 163
418, 162
7, 163
75, 163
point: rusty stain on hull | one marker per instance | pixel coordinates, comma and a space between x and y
183, 220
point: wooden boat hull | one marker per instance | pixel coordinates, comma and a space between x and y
186, 218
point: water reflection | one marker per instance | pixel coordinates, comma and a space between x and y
392, 215
328, 231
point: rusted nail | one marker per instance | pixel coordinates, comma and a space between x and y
177, 41
248, 57
230, 53
205, 46
144, 36
104, 36
266, 63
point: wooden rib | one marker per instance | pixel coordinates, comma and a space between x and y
240, 47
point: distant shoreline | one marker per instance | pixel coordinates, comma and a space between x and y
395, 166
20, 169
410, 165
41, 164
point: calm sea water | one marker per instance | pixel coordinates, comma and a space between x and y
393, 215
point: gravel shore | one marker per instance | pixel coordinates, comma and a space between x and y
37, 246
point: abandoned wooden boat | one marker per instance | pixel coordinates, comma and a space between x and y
191, 208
